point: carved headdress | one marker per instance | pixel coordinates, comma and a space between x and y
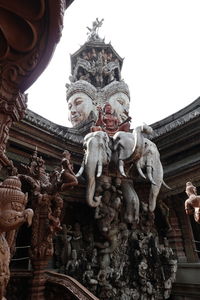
81, 86
115, 87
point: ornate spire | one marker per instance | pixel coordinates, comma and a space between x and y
96, 79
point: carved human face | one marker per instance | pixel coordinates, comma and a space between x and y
79, 105
120, 105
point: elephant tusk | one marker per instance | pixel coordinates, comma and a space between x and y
80, 172
140, 171
121, 168
99, 171
149, 175
164, 183
29, 216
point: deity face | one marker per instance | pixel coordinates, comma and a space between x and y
108, 108
120, 105
80, 106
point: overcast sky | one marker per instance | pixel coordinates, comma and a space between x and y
160, 43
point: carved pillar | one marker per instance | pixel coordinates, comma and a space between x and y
175, 236
41, 251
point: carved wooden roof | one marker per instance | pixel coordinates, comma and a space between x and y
29, 33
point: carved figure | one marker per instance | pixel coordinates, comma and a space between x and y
66, 247
117, 95
12, 215
93, 32
47, 205
108, 122
88, 276
80, 96
76, 240
192, 204
67, 176
97, 155
105, 213
72, 264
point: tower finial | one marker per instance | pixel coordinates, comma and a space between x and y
93, 32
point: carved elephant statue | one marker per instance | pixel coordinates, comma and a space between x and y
97, 155
138, 149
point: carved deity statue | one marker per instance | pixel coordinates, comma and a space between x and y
108, 122
192, 204
93, 32
80, 97
118, 96
67, 176
12, 215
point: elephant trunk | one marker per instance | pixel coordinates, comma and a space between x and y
154, 191
131, 201
149, 174
91, 165
91, 184
99, 169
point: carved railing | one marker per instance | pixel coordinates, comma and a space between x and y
68, 285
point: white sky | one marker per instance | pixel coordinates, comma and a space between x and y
160, 41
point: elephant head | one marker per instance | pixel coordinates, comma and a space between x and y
150, 162
97, 155
130, 146
137, 149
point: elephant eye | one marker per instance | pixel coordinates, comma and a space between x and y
121, 145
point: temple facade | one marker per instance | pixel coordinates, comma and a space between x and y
105, 203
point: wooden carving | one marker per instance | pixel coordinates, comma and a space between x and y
192, 204
12, 215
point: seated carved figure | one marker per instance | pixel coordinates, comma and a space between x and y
192, 204
67, 176
108, 122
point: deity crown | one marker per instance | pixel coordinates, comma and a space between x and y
81, 86
116, 87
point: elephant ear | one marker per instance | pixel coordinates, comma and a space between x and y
124, 145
